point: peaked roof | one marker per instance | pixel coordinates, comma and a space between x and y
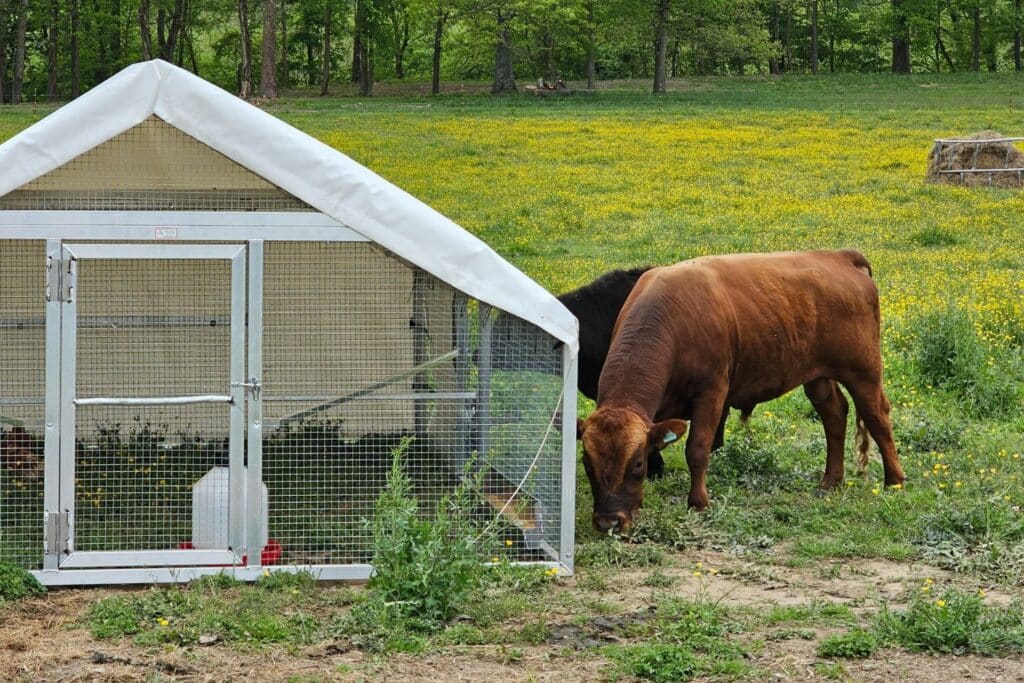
294, 161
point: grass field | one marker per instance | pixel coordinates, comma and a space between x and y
774, 579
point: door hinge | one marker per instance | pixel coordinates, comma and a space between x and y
58, 533
60, 279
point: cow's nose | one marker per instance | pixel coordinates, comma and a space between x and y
606, 523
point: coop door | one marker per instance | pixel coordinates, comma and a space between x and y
152, 405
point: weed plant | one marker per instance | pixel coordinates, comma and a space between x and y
17, 583
953, 622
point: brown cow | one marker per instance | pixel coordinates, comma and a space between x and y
719, 332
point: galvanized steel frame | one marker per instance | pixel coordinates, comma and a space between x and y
247, 230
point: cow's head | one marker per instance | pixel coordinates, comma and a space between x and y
616, 445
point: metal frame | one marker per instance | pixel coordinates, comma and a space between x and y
240, 228
69, 558
176, 226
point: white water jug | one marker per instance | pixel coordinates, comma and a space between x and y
211, 510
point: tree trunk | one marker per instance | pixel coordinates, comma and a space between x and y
832, 40
504, 77
976, 38
3, 61
76, 67
365, 53
18, 78
660, 46
435, 67
282, 66
357, 40
592, 45
175, 30
1017, 36
814, 36
246, 88
51, 56
268, 68
775, 62
900, 39
325, 61
161, 31
147, 38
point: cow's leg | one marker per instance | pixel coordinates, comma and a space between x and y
831, 405
655, 465
720, 434
873, 408
707, 415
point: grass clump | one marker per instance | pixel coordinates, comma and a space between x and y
948, 354
854, 644
684, 640
17, 583
425, 567
953, 622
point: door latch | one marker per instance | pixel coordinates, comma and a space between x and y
253, 386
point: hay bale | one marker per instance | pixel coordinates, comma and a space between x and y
946, 157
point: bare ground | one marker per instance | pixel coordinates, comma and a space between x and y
42, 639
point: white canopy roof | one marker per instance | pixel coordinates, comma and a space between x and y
297, 163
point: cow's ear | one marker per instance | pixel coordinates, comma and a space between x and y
666, 433
579, 429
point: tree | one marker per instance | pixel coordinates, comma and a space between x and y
268, 70
20, 32
146, 36
814, 37
591, 45
246, 87
1017, 65
660, 45
325, 66
51, 53
900, 38
76, 68
504, 74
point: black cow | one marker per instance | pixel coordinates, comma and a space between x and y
516, 345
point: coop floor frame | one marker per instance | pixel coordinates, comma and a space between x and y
74, 235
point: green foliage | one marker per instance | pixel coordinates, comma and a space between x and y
746, 462
424, 567
854, 644
934, 236
955, 622
949, 354
16, 583
683, 640
662, 663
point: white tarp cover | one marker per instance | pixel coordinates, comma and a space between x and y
294, 161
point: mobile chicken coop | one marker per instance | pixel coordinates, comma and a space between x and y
215, 331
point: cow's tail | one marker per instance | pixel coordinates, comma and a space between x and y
862, 446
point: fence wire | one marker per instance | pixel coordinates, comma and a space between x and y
22, 400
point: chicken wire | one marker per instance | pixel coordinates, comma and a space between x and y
22, 400
151, 167
148, 329
362, 353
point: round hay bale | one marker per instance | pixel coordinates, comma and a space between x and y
951, 156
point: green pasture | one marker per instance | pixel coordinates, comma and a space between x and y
569, 188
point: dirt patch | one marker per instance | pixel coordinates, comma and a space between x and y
42, 639
961, 154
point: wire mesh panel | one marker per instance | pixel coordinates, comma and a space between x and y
363, 353
152, 166
22, 397
150, 329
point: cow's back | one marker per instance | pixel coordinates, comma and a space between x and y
763, 323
